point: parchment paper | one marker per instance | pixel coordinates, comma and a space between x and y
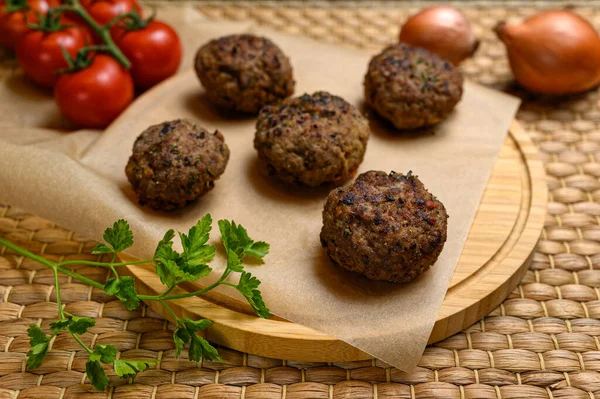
78, 180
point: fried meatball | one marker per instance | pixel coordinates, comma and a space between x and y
387, 227
244, 72
174, 163
411, 87
311, 140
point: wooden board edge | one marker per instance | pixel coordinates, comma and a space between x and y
303, 341
454, 322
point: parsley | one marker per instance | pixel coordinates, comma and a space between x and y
172, 268
235, 238
96, 374
248, 287
124, 289
119, 238
78, 325
38, 340
129, 368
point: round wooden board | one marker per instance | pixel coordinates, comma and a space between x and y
498, 250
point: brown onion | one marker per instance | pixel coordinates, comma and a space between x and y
553, 52
443, 30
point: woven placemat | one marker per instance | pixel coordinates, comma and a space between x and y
542, 342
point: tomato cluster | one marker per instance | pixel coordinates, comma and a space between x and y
94, 53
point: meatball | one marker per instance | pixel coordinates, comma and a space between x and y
174, 163
386, 227
244, 72
411, 87
311, 140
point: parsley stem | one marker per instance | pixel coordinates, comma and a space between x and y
179, 296
103, 264
187, 294
81, 278
79, 341
57, 288
229, 284
112, 268
167, 292
24, 252
175, 318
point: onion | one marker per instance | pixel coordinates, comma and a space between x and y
553, 52
443, 30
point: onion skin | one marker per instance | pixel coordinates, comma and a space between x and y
553, 52
443, 30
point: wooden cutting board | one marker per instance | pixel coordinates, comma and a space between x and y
497, 252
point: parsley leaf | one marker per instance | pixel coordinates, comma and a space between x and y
119, 237
112, 286
104, 353
234, 262
124, 289
39, 346
248, 287
129, 368
59, 325
181, 336
102, 249
258, 250
36, 335
195, 250
77, 325
174, 268
96, 374
235, 238
202, 349
197, 325
187, 332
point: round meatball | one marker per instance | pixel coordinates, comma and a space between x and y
174, 163
386, 227
411, 87
311, 140
244, 72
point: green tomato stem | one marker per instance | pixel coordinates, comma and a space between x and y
102, 32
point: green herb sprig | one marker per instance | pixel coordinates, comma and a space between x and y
172, 268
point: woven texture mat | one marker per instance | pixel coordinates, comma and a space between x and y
542, 342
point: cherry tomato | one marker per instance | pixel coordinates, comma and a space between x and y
104, 10
13, 24
93, 97
154, 52
39, 53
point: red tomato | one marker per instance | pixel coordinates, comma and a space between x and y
13, 25
39, 53
104, 10
93, 97
154, 52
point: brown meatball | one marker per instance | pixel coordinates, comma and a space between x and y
411, 87
174, 163
244, 72
311, 140
387, 227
